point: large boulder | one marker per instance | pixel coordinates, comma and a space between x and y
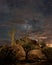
19, 51
35, 55
11, 54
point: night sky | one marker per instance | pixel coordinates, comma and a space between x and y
32, 16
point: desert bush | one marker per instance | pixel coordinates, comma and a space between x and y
28, 47
41, 44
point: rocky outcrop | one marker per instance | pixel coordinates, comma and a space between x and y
35, 55
19, 51
11, 54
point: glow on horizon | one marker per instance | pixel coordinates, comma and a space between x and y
49, 45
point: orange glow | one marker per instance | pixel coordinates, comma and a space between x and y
49, 45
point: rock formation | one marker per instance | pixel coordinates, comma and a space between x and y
35, 55
20, 53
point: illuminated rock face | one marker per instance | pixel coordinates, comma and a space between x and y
35, 54
19, 51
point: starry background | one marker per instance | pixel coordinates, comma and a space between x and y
32, 16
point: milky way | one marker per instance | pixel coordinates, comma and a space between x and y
32, 16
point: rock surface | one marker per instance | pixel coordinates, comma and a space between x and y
35, 55
20, 53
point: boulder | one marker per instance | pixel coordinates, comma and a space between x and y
12, 53
35, 55
19, 51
